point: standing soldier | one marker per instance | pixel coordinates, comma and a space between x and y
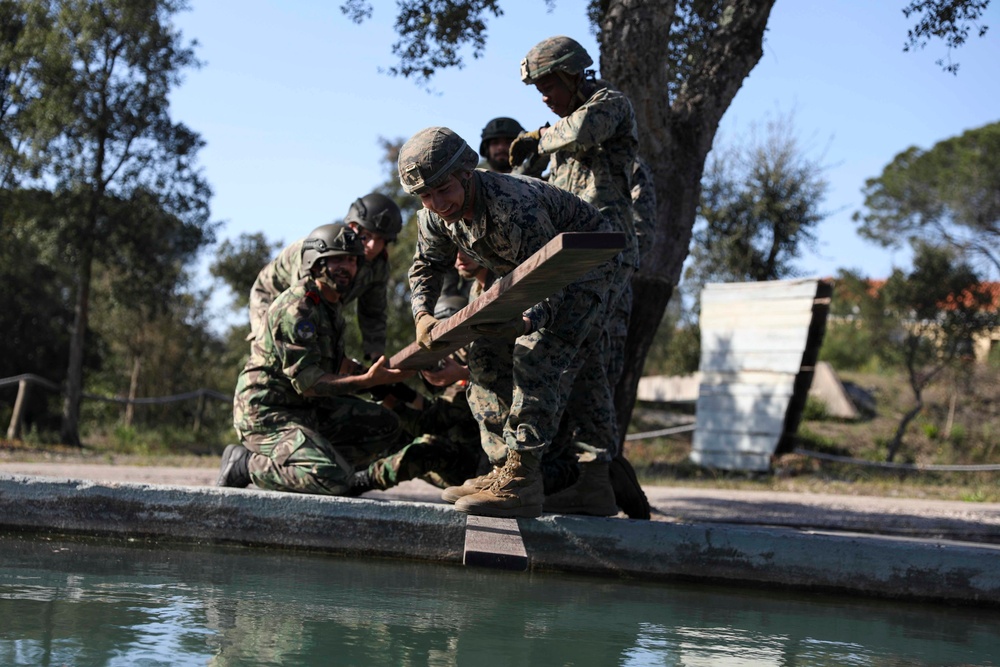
376, 220
500, 221
300, 426
592, 149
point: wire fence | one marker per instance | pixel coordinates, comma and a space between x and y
25, 381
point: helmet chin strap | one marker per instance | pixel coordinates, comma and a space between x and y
577, 84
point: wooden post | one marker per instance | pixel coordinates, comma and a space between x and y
198, 412
14, 429
132, 390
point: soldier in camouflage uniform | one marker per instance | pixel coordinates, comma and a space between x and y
376, 220
494, 145
516, 368
592, 148
300, 425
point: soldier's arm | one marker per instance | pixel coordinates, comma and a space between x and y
331, 384
591, 125
434, 254
372, 306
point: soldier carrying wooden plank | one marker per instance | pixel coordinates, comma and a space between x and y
518, 365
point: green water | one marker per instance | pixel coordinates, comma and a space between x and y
88, 603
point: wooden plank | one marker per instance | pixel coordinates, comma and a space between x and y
761, 339
494, 543
730, 460
779, 362
558, 263
739, 317
720, 293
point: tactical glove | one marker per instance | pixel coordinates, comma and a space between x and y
525, 145
425, 323
510, 329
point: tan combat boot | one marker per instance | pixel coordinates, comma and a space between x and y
515, 492
591, 494
470, 486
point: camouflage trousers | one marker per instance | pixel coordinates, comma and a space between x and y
515, 393
432, 458
590, 424
316, 452
449, 421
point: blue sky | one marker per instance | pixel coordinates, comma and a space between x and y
292, 104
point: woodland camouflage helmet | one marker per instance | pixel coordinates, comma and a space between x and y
555, 54
499, 128
328, 240
430, 156
376, 213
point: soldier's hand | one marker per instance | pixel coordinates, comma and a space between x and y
511, 329
379, 373
425, 323
449, 373
525, 145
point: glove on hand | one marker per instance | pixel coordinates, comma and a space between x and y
525, 145
510, 329
425, 323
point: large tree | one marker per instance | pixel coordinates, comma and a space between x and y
112, 152
949, 194
680, 61
22, 30
760, 204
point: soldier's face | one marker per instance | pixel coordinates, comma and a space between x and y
556, 95
447, 199
341, 269
498, 153
373, 241
466, 266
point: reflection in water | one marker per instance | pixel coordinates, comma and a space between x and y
88, 603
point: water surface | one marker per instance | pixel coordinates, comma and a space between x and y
84, 602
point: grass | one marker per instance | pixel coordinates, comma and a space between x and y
971, 439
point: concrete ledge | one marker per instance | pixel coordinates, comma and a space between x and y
869, 565
253, 517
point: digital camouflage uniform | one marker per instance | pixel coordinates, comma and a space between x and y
313, 444
643, 207
514, 390
592, 155
369, 288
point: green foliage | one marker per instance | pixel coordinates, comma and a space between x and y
944, 19
847, 345
238, 262
924, 320
759, 207
432, 32
993, 358
815, 410
943, 195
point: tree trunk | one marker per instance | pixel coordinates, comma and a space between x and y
70, 431
675, 137
897, 439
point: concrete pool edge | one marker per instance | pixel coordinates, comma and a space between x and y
862, 564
